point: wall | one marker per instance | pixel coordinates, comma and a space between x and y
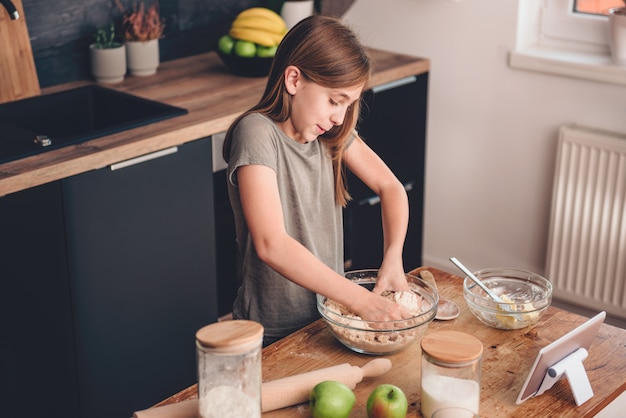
492, 130
61, 31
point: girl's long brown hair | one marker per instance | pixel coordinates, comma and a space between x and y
327, 53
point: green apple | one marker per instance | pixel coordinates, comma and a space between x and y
387, 401
245, 49
331, 399
266, 51
225, 44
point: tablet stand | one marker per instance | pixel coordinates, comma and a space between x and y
572, 367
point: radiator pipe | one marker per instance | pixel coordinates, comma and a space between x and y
11, 10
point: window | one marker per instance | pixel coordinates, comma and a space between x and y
581, 22
597, 7
566, 37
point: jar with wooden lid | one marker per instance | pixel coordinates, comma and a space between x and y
229, 369
451, 372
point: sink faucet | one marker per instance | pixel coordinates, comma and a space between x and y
10, 9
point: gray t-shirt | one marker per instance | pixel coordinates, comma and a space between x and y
306, 185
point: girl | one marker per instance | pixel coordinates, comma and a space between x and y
287, 158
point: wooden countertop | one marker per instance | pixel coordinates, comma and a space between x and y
200, 84
508, 356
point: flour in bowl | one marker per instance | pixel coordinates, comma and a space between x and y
408, 300
370, 337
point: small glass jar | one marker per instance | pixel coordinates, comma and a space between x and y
451, 371
229, 369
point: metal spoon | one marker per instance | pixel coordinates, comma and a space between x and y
469, 274
504, 306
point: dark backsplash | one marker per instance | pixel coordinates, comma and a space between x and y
61, 30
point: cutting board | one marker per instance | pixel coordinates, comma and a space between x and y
18, 75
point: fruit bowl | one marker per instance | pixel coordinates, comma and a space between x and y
379, 337
526, 296
246, 66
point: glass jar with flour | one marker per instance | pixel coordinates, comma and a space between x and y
229, 369
451, 372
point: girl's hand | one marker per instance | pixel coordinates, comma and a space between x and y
391, 276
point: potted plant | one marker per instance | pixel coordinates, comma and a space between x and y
141, 28
108, 56
617, 34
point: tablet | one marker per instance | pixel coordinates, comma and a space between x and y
580, 337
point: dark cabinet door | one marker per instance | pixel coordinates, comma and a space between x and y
142, 275
227, 253
393, 123
37, 364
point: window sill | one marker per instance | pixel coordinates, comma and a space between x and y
587, 66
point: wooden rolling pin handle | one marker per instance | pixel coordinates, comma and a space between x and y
293, 390
377, 367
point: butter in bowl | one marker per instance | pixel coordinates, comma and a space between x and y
525, 297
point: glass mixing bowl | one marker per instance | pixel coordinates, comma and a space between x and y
380, 337
526, 296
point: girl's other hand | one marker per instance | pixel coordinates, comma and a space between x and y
379, 308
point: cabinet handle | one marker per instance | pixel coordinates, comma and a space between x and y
144, 158
374, 200
394, 84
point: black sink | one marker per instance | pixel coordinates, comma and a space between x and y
43, 123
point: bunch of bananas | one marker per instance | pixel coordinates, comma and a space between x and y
259, 25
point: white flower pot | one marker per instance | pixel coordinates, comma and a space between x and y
108, 65
294, 11
142, 57
617, 34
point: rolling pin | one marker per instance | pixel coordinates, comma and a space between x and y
295, 389
284, 392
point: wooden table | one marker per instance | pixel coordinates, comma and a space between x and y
507, 358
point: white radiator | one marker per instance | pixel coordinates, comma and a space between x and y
586, 260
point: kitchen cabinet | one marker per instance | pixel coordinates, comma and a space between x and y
142, 276
393, 124
126, 278
227, 253
37, 367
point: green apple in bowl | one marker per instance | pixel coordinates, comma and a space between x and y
266, 51
245, 58
387, 401
245, 49
331, 399
225, 44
